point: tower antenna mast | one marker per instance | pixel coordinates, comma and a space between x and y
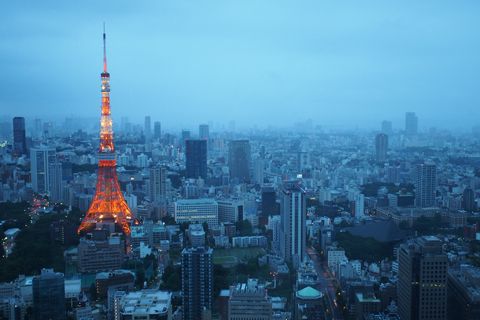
104, 49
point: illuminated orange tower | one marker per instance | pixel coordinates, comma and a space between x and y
108, 203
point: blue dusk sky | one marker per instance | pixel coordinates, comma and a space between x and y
340, 63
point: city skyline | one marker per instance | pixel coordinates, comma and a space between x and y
349, 65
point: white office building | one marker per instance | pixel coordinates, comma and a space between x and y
197, 211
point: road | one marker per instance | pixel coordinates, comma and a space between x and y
328, 285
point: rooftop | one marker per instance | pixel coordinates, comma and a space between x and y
309, 293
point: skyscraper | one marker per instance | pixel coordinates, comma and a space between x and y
393, 174
292, 222
148, 129
19, 138
387, 127
185, 136
258, 171
197, 282
37, 127
55, 181
411, 124
204, 134
41, 160
49, 295
469, 200
268, 201
422, 279
239, 158
425, 184
158, 184
381, 144
196, 162
157, 129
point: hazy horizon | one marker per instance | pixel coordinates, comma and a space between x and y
345, 65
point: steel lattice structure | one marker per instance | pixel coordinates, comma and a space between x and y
108, 204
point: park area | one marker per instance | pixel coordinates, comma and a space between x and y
239, 253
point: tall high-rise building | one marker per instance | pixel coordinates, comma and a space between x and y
469, 200
268, 201
239, 158
157, 129
108, 205
158, 184
49, 295
258, 171
204, 134
197, 282
123, 122
422, 279
37, 128
393, 174
19, 137
387, 127
411, 124
185, 136
148, 129
425, 184
55, 181
292, 222
196, 162
381, 144
303, 161
41, 160
203, 131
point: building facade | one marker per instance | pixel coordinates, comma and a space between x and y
387, 127
196, 159
41, 160
148, 129
197, 211
292, 222
197, 282
249, 301
157, 129
230, 210
422, 279
49, 295
411, 124
158, 184
239, 158
381, 144
425, 184
19, 137
96, 256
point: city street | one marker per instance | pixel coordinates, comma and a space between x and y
328, 285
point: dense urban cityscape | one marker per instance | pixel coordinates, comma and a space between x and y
239, 216
299, 223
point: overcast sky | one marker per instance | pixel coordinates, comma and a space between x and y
340, 63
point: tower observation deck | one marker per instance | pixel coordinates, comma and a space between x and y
108, 205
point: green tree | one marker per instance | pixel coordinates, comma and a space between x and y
244, 227
174, 282
140, 273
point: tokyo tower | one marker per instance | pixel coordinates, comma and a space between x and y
108, 205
